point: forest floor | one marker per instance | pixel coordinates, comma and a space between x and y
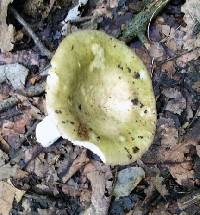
66, 179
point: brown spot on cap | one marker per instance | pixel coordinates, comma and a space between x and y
135, 149
83, 131
128, 152
129, 69
58, 111
120, 67
137, 75
135, 101
141, 105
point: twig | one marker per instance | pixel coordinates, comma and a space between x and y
4, 145
35, 38
177, 56
8, 103
81, 20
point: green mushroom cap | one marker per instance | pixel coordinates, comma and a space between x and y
100, 96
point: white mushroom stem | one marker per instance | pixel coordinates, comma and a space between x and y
47, 132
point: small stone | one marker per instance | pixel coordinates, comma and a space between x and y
127, 180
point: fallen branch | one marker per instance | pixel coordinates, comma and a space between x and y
32, 34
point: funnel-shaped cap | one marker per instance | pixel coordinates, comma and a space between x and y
99, 95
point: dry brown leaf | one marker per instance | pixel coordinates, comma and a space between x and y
103, 8
7, 31
159, 186
172, 93
157, 51
25, 57
113, 3
181, 167
100, 178
191, 40
176, 106
42, 167
78, 163
165, 30
3, 158
167, 134
169, 67
187, 57
82, 193
37, 8
7, 195
160, 209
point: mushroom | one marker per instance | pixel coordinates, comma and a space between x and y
100, 96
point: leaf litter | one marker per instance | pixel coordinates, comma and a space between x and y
7, 31
64, 179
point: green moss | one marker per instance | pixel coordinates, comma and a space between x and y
104, 96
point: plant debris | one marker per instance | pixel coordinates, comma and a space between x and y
7, 195
15, 73
191, 10
7, 31
66, 179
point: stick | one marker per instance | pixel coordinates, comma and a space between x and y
32, 34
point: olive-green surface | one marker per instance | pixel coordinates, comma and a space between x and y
99, 91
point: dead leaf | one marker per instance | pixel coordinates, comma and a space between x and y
78, 163
169, 67
182, 168
3, 158
160, 209
7, 31
103, 8
83, 194
165, 30
190, 202
7, 171
7, 195
171, 93
4, 145
168, 135
38, 8
42, 168
157, 51
113, 3
100, 178
191, 40
15, 73
159, 185
176, 106
25, 57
